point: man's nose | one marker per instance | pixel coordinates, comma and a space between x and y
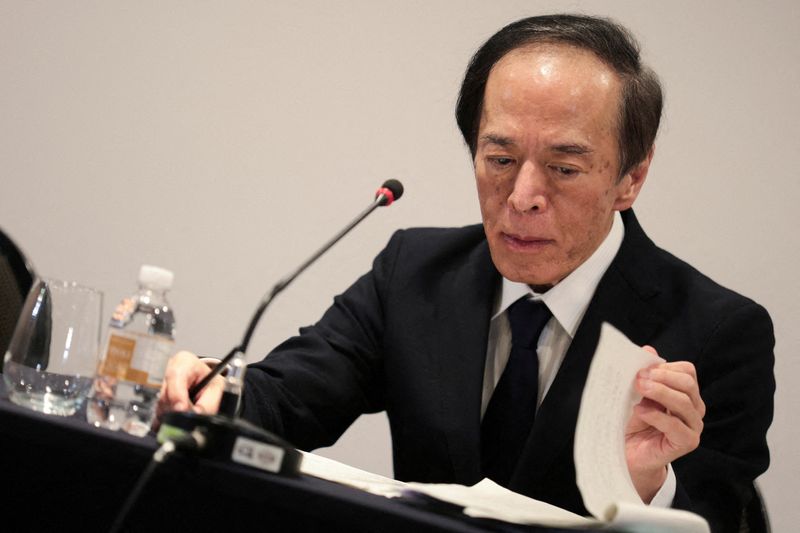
530, 188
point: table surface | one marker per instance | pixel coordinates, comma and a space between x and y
65, 473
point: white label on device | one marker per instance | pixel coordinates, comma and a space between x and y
257, 454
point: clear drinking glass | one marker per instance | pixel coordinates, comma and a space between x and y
52, 355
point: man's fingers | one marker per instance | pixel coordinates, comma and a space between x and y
672, 404
681, 437
679, 377
676, 402
209, 398
183, 370
650, 349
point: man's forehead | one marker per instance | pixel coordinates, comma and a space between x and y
555, 62
558, 88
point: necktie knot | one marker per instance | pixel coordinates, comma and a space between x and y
527, 319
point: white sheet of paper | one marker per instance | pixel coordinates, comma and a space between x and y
487, 499
322, 467
608, 399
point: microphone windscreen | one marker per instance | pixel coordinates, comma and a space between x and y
395, 186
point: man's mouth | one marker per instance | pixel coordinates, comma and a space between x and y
525, 242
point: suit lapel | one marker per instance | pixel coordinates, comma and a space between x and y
462, 319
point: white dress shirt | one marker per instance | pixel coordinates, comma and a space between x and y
567, 301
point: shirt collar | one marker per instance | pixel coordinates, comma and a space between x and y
569, 298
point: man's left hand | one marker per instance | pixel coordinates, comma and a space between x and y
665, 424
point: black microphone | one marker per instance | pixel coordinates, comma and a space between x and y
389, 192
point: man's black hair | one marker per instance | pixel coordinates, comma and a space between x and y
641, 99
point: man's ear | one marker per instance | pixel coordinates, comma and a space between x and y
631, 183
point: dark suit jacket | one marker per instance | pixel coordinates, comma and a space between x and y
410, 338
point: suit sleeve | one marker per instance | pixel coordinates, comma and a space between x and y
735, 374
313, 386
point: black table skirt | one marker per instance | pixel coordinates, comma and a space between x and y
62, 474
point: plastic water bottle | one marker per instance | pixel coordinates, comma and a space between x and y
140, 341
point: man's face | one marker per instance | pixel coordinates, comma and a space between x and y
546, 161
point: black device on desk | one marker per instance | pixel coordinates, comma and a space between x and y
234, 439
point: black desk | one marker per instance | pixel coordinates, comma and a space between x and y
61, 474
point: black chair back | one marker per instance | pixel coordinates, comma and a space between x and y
755, 518
16, 278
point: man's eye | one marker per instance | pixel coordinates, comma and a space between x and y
564, 171
501, 161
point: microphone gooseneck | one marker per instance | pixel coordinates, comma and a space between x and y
389, 192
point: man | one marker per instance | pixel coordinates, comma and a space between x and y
560, 118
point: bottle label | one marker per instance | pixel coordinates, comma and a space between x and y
136, 358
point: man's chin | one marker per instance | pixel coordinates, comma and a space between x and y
528, 275
532, 268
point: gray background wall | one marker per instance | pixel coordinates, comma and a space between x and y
226, 140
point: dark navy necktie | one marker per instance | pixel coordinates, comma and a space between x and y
509, 416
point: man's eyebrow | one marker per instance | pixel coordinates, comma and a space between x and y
499, 140
576, 149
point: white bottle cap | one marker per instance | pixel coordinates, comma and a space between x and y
155, 278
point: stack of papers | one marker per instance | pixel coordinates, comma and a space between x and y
600, 465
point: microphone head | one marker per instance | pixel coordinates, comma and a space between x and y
389, 192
